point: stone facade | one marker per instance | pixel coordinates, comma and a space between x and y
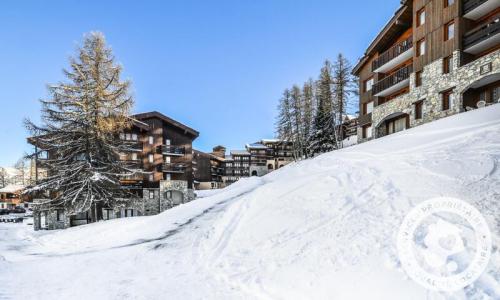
154, 201
434, 82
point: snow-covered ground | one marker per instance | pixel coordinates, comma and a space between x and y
320, 229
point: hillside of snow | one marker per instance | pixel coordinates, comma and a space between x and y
324, 228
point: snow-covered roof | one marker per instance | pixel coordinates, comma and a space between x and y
271, 141
256, 146
239, 152
12, 188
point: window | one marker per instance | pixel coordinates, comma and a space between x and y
485, 69
59, 215
151, 194
151, 177
151, 140
367, 131
418, 78
368, 85
495, 94
447, 64
447, 99
134, 156
396, 125
168, 177
122, 136
134, 137
421, 17
418, 109
449, 31
448, 3
151, 158
167, 142
167, 159
368, 107
168, 195
421, 47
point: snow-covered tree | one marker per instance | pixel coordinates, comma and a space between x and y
297, 114
344, 86
81, 122
323, 135
308, 113
284, 125
3, 177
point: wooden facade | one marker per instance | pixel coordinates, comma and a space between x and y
422, 32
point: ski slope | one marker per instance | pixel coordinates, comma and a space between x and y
324, 228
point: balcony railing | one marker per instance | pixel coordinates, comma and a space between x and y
133, 145
173, 168
470, 5
172, 150
399, 76
392, 53
133, 164
482, 33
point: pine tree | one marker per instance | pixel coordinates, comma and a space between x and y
308, 114
297, 121
284, 125
81, 122
344, 86
3, 178
21, 176
323, 136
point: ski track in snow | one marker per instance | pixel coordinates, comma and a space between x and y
323, 228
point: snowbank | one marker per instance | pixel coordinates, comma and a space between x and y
322, 229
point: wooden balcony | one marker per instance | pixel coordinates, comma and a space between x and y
133, 164
475, 9
483, 37
394, 56
392, 83
171, 150
133, 146
173, 168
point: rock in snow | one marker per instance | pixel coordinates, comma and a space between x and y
324, 228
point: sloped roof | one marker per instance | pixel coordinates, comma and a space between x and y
240, 152
12, 188
390, 30
155, 114
256, 146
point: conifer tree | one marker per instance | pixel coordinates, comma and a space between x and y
284, 126
344, 86
81, 122
297, 121
323, 135
308, 113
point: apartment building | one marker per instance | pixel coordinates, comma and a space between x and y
208, 169
160, 150
236, 166
433, 59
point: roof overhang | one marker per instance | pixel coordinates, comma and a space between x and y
155, 114
401, 21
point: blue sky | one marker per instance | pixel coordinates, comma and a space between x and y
217, 66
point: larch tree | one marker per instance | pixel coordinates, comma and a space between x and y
323, 136
284, 126
344, 86
81, 122
3, 177
308, 114
297, 122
